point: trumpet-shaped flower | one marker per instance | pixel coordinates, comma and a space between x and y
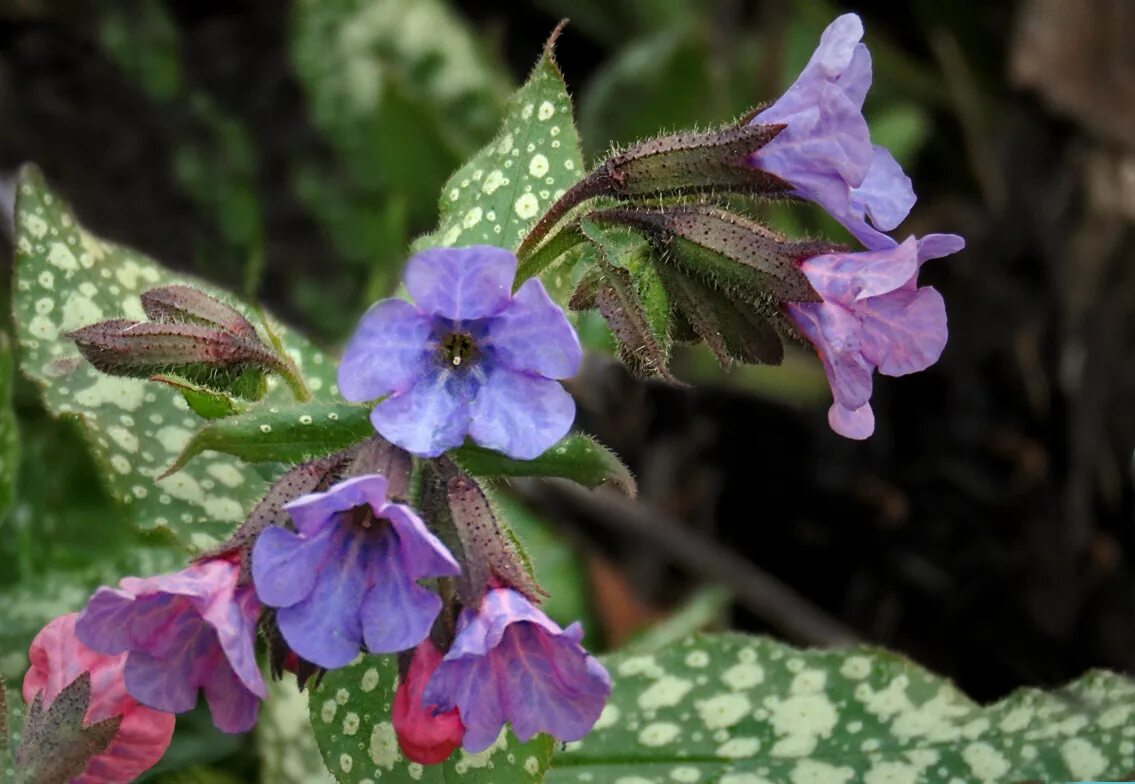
468, 358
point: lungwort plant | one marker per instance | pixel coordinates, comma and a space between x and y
342, 514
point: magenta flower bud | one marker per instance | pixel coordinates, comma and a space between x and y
511, 663
183, 632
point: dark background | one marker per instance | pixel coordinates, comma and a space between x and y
985, 530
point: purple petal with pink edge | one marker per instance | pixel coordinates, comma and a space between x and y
105, 624
532, 334
846, 277
904, 331
834, 332
935, 246
163, 684
285, 565
421, 553
461, 283
479, 631
520, 415
886, 195
547, 684
471, 684
313, 512
856, 423
324, 628
234, 621
431, 417
387, 352
396, 612
233, 707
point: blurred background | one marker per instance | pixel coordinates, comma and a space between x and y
291, 151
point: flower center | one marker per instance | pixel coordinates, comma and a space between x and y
363, 520
458, 349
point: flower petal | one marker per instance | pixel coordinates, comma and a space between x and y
163, 684
315, 511
461, 283
396, 612
430, 417
533, 334
834, 332
886, 195
387, 352
520, 415
904, 331
856, 423
849, 276
232, 707
324, 628
284, 565
421, 553
469, 683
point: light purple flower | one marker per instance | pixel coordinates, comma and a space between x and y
825, 151
193, 629
349, 573
510, 662
873, 315
469, 358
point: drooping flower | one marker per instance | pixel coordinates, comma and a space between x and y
193, 629
425, 735
825, 151
348, 574
874, 316
57, 658
469, 358
511, 663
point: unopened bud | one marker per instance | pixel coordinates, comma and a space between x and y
727, 250
180, 304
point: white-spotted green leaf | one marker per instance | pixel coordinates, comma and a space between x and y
9, 434
68, 278
350, 713
502, 190
286, 434
288, 753
733, 709
577, 457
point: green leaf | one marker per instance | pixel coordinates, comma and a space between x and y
350, 713
577, 457
498, 195
733, 709
67, 278
288, 753
9, 431
281, 434
206, 403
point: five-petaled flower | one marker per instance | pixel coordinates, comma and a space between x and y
511, 663
825, 151
57, 658
874, 315
425, 735
468, 358
193, 629
349, 573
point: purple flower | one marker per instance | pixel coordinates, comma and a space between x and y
193, 629
873, 315
348, 575
469, 358
825, 151
510, 662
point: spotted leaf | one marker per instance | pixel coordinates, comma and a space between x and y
350, 712
732, 709
497, 196
68, 278
577, 457
288, 754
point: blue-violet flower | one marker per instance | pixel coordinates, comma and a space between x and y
349, 573
825, 151
510, 662
193, 629
468, 358
874, 316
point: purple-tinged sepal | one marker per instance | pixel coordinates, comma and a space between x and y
825, 150
347, 576
183, 632
510, 663
873, 316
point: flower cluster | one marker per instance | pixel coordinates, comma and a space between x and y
873, 315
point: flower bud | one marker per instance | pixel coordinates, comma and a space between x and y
180, 304
425, 735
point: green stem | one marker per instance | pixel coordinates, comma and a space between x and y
286, 367
544, 256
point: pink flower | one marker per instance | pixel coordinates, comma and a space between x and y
57, 659
193, 629
874, 316
427, 736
